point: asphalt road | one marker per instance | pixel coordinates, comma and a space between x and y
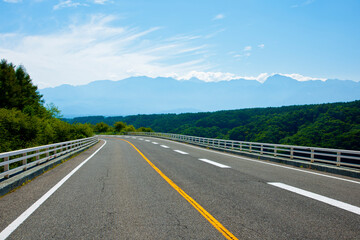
117, 194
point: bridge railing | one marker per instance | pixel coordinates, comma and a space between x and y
20, 160
337, 157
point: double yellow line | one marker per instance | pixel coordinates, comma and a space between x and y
197, 206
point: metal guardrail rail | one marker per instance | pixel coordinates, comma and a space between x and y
336, 157
19, 160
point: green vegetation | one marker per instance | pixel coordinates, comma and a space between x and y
24, 120
335, 125
118, 128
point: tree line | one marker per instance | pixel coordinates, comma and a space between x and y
25, 120
331, 125
117, 128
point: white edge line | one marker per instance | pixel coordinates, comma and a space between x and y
181, 152
271, 164
16, 223
330, 201
214, 163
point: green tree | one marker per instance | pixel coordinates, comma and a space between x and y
17, 130
24, 121
129, 128
17, 90
53, 111
119, 126
101, 127
144, 129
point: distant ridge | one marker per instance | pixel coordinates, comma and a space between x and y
330, 125
144, 95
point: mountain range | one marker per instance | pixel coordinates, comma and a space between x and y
144, 95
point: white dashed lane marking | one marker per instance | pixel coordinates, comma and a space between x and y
181, 152
214, 163
330, 201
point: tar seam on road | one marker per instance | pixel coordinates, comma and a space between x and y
197, 206
17, 222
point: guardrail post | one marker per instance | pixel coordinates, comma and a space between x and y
37, 157
240, 146
275, 151
338, 159
6, 167
250, 147
232, 145
261, 149
24, 161
312, 155
291, 153
47, 154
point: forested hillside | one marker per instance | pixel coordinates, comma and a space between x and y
24, 120
335, 125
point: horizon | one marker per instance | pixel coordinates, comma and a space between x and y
139, 114
263, 80
80, 41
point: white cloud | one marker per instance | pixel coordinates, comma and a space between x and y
100, 1
68, 3
225, 76
219, 16
219, 76
261, 45
206, 76
247, 48
300, 77
97, 50
12, 1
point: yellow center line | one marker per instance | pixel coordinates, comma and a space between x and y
197, 206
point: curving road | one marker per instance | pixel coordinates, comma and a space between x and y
147, 188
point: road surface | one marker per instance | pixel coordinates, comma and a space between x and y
147, 188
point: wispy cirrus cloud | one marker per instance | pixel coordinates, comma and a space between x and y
247, 48
97, 50
303, 3
13, 1
100, 1
219, 16
68, 3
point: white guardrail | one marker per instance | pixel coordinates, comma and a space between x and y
19, 160
337, 157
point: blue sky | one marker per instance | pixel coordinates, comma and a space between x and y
76, 42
